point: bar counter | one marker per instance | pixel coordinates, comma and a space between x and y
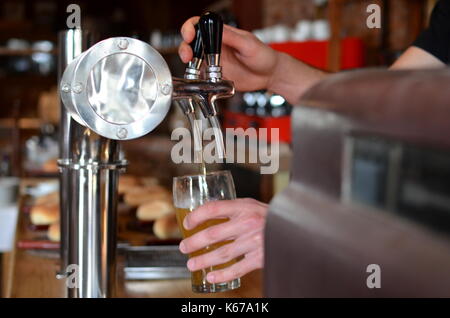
32, 273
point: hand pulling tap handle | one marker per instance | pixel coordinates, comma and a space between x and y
192, 91
192, 71
197, 44
211, 28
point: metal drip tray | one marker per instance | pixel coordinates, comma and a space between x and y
155, 262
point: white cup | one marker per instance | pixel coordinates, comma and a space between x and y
280, 33
302, 31
321, 30
156, 39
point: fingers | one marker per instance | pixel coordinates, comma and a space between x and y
236, 30
188, 34
250, 262
232, 37
228, 252
218, 209
185, 52
221, 232
245, 226
235, 38
188, 29
247, 222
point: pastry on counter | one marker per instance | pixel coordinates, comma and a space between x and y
166, 227
50, 166
154, 210
53, 232
140, 195
51, 198
126, 182
44, 214
149, 181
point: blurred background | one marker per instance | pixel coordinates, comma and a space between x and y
328, 34
331, 35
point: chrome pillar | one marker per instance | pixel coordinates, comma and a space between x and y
90, 166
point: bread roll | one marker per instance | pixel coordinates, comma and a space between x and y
51, 198
140, 195
53, 232
166, 227
44, 214
154, 210
149, 181
50, 166
126, 182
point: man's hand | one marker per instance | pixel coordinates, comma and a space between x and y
245, 228
246, 60
252, 65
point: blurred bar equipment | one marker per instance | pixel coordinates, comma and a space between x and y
118, 89
372, 189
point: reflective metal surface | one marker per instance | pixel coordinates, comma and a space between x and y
120, 88
204, 93
90, 166
71, 44
93, 231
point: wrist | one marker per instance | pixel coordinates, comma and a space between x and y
274, 76
292, 78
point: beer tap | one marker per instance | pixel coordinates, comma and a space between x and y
211, 28
193, 71
193, 68
205, 92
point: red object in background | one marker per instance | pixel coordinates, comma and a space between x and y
241, 120
315, 53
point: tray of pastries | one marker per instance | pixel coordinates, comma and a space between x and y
146, 215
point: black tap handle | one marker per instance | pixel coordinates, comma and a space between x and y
197, 44
211, 28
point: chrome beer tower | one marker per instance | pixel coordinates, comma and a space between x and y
89, 171
116, 89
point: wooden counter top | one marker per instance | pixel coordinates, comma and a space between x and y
34, 276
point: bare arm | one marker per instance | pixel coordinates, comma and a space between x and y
252, 65
416, 58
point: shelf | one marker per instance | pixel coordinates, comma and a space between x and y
9, 52
7, 25
23, 123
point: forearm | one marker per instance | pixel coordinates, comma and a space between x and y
292, 78
416, 58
